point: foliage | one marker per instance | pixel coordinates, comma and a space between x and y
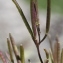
53, 57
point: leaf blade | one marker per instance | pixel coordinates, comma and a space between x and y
23, 17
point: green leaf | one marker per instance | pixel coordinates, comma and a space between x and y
23, 17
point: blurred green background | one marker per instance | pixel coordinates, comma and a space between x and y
56, 5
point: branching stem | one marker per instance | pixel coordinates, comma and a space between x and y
39, 54
47, 20
38, 51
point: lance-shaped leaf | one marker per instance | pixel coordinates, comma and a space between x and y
10, 50
2, 57
15, 49
34, 17
61, 56
23, 17
47, 19
22, 54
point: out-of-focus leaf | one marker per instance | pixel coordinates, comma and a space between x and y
46, 61
2, 57
47, 54
22, 54
61, 56
50, 42
15, 49
23, 17
50, 58
10, 50
8, 57
56, 55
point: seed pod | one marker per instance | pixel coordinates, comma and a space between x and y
34, 17
47, 19
22, 54
57, 51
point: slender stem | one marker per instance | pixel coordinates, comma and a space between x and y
39, 54
47, 20
39, 37
38, 30
43, 39
38, 51
37, 46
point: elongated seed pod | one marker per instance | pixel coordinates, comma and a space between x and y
34, 17
47, 19
57, 51
22, 54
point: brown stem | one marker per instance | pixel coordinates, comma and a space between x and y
43, 39
39, 54
38, 51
